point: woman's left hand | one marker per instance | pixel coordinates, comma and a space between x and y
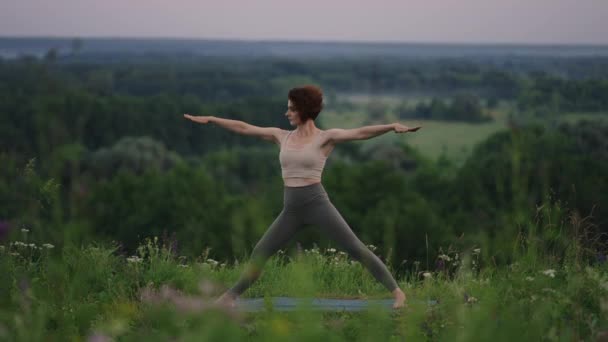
400, 128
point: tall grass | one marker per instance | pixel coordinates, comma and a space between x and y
555, 289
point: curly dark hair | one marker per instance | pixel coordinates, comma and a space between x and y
308, 101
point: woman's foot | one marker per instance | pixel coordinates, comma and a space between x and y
399, 298
227, 300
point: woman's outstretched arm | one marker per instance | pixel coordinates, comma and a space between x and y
366, 132
241, 127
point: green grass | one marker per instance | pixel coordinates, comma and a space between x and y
72, 293
454, 139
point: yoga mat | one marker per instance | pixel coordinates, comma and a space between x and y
290, 303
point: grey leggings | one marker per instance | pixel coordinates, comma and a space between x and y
309, 205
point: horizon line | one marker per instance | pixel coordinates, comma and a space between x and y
287, 40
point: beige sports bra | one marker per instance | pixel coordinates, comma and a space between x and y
304, 162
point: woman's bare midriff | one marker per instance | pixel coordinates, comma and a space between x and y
295, 182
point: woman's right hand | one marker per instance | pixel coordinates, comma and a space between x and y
199, 119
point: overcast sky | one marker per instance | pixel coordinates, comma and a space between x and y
453, 21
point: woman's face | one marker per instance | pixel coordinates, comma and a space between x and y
292, 115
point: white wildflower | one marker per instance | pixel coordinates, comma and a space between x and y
212, 262
477, 250
445, 257
372, 247
331, 250
24, 230
528, 278
427, 274
549, 272
471, 299
32, 245
183, 265
134, 259
48, 245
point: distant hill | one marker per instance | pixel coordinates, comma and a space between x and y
11, 47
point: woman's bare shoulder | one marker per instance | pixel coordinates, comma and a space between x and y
282, 134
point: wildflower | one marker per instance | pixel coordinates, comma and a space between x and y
14, 253
24, 230
372, 247
183, 265
134, 259
212, 262
4, 229
549, 272
98, 337
427, 274
445, 257
331, 250
48, 245
440, 264
477, 250
471, 299
32, 245
528, 278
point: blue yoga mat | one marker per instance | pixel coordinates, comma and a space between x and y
290, 303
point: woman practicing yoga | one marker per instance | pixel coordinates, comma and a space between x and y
302, 156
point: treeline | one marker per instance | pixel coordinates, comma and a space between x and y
461, 107
548, 94
44, 105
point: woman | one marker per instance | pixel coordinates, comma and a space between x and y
303, 152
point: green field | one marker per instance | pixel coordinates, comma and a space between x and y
454, 139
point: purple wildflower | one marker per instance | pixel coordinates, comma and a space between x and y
5, 228
440, 265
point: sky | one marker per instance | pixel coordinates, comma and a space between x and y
432, 21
